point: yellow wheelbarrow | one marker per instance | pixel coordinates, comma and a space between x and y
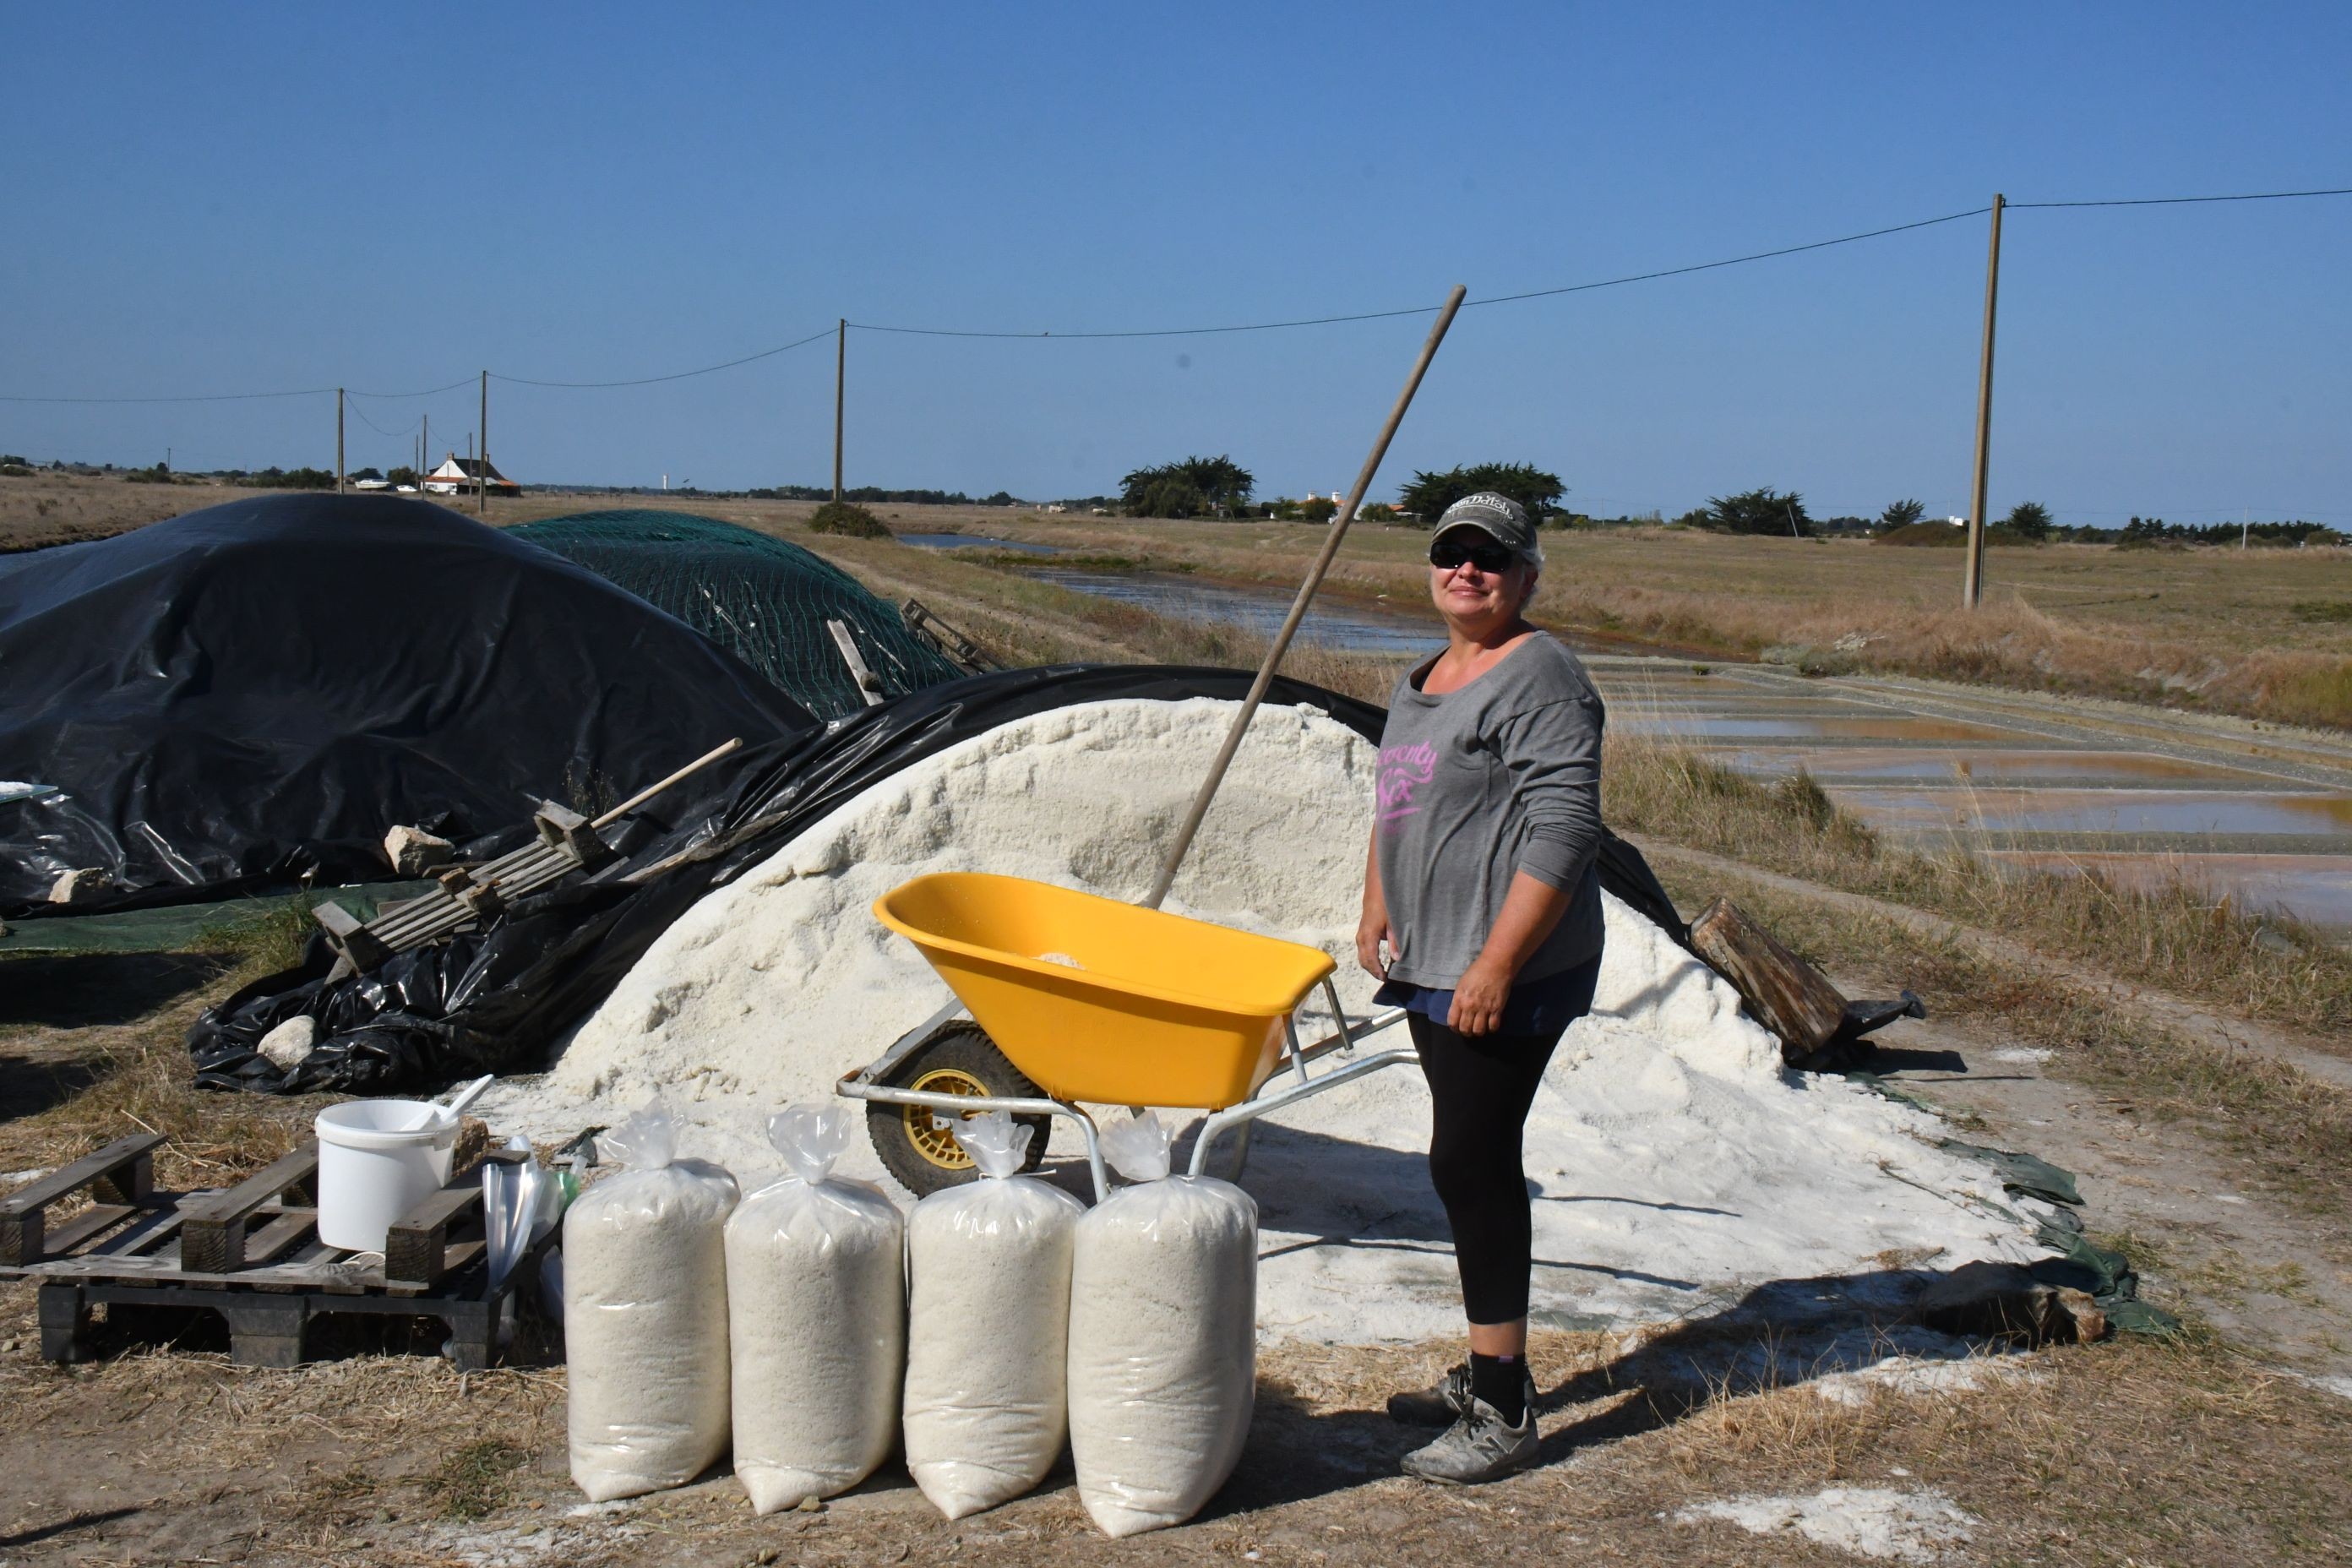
1072, 997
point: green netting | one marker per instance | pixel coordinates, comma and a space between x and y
182, 928
764, 600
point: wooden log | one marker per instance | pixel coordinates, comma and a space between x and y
1787, 995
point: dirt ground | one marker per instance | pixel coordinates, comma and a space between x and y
2221, 1447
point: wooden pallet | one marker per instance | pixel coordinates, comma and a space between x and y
250, 1253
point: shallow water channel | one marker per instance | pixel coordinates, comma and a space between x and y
1335, 624
2040, 788
975, 542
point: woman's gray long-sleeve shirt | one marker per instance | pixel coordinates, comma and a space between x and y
1478, 784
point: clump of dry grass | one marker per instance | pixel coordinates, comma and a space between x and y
269, 938
473, 1481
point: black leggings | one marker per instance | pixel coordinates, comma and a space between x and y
1481, 1089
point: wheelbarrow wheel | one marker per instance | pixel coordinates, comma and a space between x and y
914, 1142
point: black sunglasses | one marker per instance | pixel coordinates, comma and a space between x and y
1445, 555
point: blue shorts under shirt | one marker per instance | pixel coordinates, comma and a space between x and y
1547, 1004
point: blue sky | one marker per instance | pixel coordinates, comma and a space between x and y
226, 200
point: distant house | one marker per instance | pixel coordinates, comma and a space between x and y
458, 474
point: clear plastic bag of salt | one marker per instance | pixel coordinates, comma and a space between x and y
988, 1305
645, 1320
817, 1319
1163, 1338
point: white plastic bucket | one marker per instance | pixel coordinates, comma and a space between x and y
370, 1171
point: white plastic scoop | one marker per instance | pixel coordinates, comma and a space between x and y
456, 1106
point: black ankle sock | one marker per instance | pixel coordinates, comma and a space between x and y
1501, 1382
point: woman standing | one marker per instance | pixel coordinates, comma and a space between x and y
1480, 886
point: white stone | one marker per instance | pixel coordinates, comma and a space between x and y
412, 851
289, 1045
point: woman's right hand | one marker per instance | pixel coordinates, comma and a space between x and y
1370, 932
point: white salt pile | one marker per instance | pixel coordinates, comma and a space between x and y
1868, 1521
1678, 1165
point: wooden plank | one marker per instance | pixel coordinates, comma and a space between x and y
124, 1167
212, 1229
63, 1182
290, 1227
1788, 995
161, 1226
869, 686
167, 1270
454, 1259
93, 1221
414, 1246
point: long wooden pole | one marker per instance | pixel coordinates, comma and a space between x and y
339, 440
482, 479
652, 790
840, 370
1332, 541
1972, 581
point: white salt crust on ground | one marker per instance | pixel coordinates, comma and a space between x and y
1868, 1521
1677, 1165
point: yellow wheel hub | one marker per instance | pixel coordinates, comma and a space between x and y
931, 1141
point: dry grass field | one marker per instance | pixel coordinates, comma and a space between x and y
2265, 634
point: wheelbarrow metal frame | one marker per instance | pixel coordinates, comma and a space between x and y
1275, 1094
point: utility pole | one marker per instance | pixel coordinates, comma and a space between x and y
840, 369
339, 440
482, 479
2245, 526
424, 452
1972, 583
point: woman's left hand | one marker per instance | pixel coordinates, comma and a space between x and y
1478, 998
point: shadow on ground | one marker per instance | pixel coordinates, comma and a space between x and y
75, 991
30, 1085
1781, 1334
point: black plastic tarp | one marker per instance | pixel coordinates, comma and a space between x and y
256, 692
493, 1002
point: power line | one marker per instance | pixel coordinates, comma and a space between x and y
207, 397
429, 392
679, 375
360, 415
2185, 201
1204, 332
1156, 332
1431, 309
1731, 262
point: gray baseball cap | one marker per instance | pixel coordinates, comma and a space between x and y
1499, 517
